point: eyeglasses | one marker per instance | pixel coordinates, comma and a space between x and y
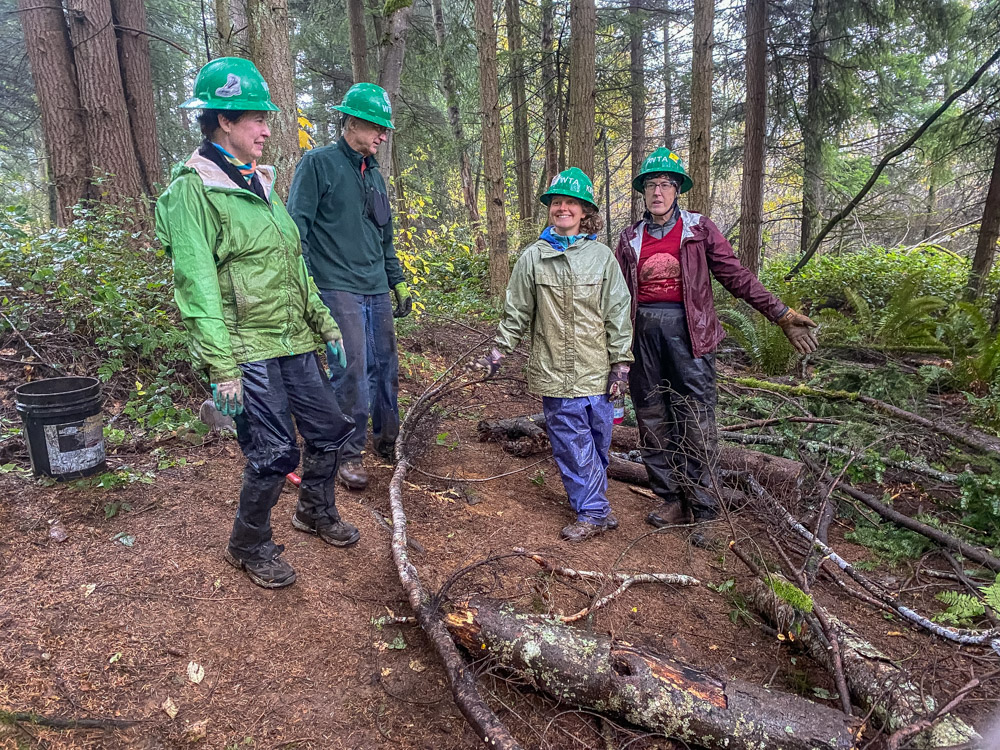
652, 187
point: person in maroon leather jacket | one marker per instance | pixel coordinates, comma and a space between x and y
668, 259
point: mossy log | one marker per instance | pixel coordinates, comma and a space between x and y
649, 690
873, 680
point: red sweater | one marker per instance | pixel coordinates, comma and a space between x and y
660, 267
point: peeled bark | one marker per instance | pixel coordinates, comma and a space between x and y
874, 681
519, 111
989, 230
700, 163
493, 168
271, 53
108, 133
637, 95
582, 74
137, 81
46, 39
752, 189
550, 99
359, 40
644, 688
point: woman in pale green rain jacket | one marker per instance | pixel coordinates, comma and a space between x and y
252, 314
567, 294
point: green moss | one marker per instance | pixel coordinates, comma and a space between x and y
790, 593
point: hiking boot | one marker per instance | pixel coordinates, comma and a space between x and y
352, 473
269, 574
704, 515
339, 533
581, 531
667, 514
704, 506
610, 522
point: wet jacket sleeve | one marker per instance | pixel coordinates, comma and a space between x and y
303, 200
519, 305
393, 271
188, 227
726, 267
317, 313
616, 304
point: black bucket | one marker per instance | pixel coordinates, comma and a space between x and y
63, 426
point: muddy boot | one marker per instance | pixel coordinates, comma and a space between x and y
581, 531
352, 473
274, 573
704, 506
671, 513
316, 512
339, 533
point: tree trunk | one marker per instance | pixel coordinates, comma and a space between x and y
271, 53
637, 84
106, 124
519, 111
390, 76
137, 80
493, 168
989, 230
582, 74
645, 688
53, 71
550, 98
454, 116
668, 86
701, 107
223, 30
752, 189
813, 125
359, 40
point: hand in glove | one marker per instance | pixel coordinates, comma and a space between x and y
335, 352
799, 330
618, 381
228, 397
404, 302
489, 363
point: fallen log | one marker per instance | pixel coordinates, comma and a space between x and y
650, 690
873, 680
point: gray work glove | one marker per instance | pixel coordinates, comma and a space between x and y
618, 381
228, 397
490, 364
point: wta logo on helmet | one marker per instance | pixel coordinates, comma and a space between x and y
386, 104
568, 182
232, 87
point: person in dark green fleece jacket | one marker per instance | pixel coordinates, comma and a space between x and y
252, 315
339, 201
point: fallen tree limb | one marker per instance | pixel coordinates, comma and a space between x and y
986, 638
650, 690
56, 722
874, 681
965, 435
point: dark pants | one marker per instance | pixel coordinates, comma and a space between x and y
273, 391
579, 430
369, 385
674, 397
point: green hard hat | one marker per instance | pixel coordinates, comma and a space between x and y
572, 182
231, 83
366, 101
663, 160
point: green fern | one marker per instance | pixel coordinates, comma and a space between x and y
906, 320
765, 344
991, 594
962, 608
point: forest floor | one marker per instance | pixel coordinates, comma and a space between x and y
107, 623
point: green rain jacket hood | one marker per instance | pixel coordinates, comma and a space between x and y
239, 279
575, 305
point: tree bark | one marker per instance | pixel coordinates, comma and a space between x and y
224, 30
989, 230
519, 111
645, 688
271, 53
699, 198
752, 189
637, 95
137, 82
106, 123
390, 76
359, 40
873, 680
582, 74
493, 168
46, 39
550, 98
814, 123
668, 86
454, 116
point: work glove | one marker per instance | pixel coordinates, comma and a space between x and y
335, 352
799, 330
618, 381
490, 364
228, 397
404, 302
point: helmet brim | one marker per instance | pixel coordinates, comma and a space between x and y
686, 182
546, 199
196, 102
366, 116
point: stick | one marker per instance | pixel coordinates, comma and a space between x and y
41, 360
905, 733
55, 722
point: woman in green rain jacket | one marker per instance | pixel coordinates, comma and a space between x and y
252, 312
